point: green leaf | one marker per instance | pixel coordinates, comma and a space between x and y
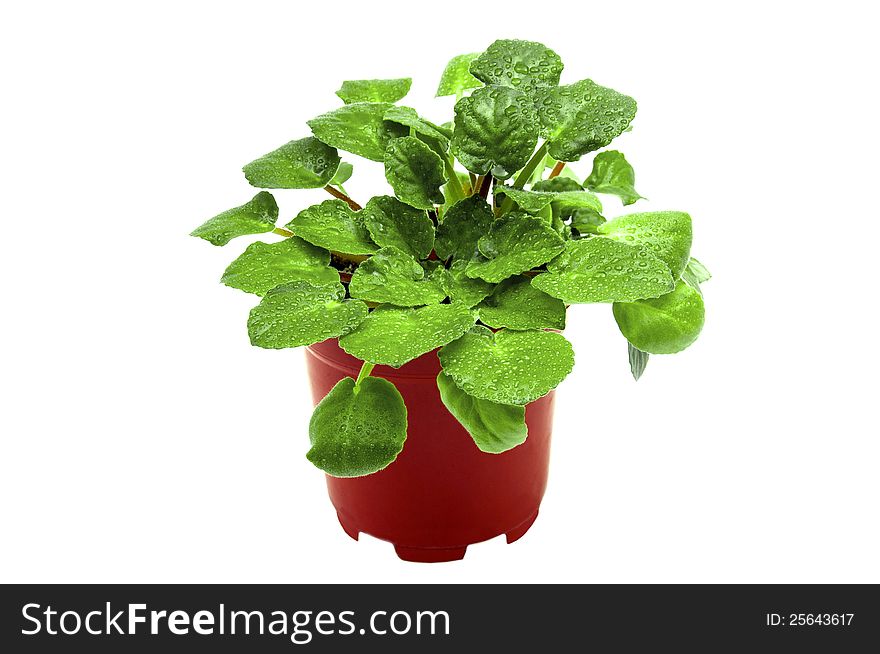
343, 174
256, 217
613, 174
638, 361
496, 130
558, 185
515, 243
395, 277
494, 427
463, 290
391, 222
663, 325
583, 117
415, 172
509, 367
666, 234
410, 118
392, 336
601, 270
516, 304
465, 223
301, 313
306, 163
264, 266
586, 221
358, 428
358, 128
697, 271
524, 65
374, 90
535, 201
457, 77
334, 226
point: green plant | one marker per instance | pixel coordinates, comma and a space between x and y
480, 262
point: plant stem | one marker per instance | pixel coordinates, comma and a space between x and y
556, 169
282, 232
524, 176
342, 196
485, 184
366, 369
454, 185
477, 184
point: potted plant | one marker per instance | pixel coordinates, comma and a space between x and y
433, 316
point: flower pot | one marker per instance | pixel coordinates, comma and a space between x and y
441, 494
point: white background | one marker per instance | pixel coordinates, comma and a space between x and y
144, 439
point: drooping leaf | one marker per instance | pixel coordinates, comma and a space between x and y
535, 201
391, 222
464, 224
586, 221
494, 427
496, 130
306, 163
666, 234
359, 128
558, 185
264, 266
663, 325
614, 175
255, 217
583, 117
302, 313
638, 361
358, 429
508, 367
374, 90
515, 243
457, 77
343, 174
392, 336
463, 290
516, 304
523, 65
334, 226
393, 276
415, 172
410, 118
601, 270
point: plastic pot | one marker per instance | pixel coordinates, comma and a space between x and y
441, 494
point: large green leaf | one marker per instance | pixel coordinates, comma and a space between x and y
392, 336
391, 222
306, 163
663, 325
614, 175
535, 201
496, 130
666, 234
524, 65
457, 77
583, 117
494, 427
415, 172
374, 90
358, 128
463, 290
515, 243
334, 226
395, 277
264, 266
601, 270
301, 313
509, 367
255, 217
517, 304
358, 428
410, 118
464, 224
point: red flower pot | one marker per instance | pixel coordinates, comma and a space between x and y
442, 493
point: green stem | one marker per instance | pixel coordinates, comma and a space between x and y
366, 369
454, 184
524, 175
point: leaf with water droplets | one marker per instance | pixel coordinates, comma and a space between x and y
614, 175
524, 65
515, 243
306, 163
302, 313
359, 128
509, 367
638, 361
565, 201
410, 118
663, 325
586, 221
666, 234
334, 226
264, 266
464, 224
255, 217
494, 427
461, 289
391, 222
374, 90
415, 172
496, 130
395, 277
582, 117
457, 76
358, 428
517, 304
557, 185
601, 270
392, 336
